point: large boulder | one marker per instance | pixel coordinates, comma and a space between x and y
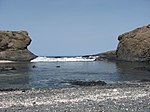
134, 45
13, 46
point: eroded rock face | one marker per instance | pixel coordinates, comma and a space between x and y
134, 45
13, 46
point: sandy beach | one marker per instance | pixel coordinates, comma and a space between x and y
125, 97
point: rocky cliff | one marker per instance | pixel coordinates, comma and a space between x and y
13, 46
134, 45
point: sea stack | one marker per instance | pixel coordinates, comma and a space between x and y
135, 45
13, 46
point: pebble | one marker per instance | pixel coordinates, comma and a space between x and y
82, 99
115, 90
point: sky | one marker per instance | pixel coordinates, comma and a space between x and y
73, 27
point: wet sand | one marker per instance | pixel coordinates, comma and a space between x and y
125, 97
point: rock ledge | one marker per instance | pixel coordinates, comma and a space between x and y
13, 46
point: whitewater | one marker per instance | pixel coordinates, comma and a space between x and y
63, 59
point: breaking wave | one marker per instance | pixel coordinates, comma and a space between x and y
63, 59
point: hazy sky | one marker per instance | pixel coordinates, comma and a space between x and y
73, 27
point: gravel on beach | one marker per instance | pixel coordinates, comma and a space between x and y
125, 97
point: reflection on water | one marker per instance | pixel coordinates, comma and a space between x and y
129, 70
48, 74
14, 78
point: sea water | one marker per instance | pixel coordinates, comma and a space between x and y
58, 72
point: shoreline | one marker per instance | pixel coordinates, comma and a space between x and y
133, 97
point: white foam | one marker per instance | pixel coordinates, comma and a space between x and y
5, 61
64, 59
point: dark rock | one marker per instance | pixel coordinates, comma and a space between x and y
34, 66
146, 89
13, 68
86, 83
9, 89
57, 57
110, 55
145, 80
57, 66
34, 103
135, 45
86, 56
13, 46
23, 91
13, 89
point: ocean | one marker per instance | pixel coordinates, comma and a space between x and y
59, 72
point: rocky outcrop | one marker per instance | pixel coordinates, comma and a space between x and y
88, 83
13, 46
134, 45
109, 55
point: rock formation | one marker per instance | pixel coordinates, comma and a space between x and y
13, 46
109, 55
134, 45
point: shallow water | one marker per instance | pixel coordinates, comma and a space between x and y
59, 74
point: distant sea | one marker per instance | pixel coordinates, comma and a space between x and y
58, 72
